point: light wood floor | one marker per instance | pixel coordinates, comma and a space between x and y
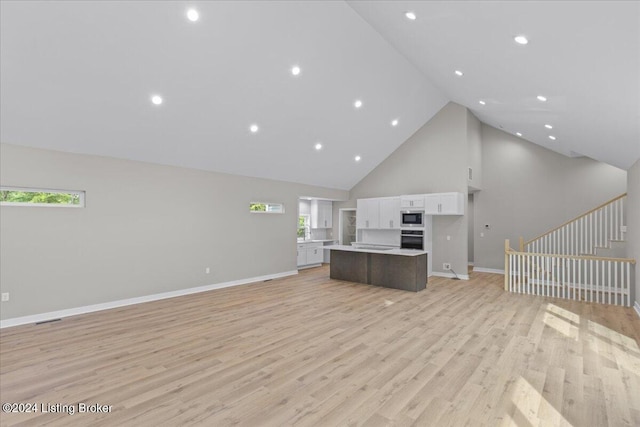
307, 350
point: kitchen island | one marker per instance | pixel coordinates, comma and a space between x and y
395, 268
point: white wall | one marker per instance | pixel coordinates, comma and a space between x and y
633, 224
146, 229
528, 190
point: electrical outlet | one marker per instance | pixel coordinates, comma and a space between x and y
623, 228
448, 237
207, 270
446, 266
5, 296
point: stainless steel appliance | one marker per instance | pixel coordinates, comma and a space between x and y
412, 239
412, 219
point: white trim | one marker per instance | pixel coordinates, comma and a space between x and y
488, 270
636, 307
137, 300
450, 275
304, 267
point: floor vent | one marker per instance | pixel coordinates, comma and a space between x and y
47, 321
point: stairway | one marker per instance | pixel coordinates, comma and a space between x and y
583, 259
615, 249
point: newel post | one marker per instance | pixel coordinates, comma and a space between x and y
506, 265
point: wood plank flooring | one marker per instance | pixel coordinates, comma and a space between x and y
307, 350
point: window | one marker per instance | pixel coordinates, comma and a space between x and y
304, 227
262, 207
15, 196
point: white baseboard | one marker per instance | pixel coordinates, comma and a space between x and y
137, 300
488, 270
450, 275
636, 307
304, 267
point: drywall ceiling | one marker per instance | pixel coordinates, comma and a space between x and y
583, 56
78, 76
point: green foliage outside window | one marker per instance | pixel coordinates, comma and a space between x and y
258, 207
12, 196
304, 232
275, 208
301, 227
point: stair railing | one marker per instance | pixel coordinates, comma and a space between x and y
576, 277
581, 235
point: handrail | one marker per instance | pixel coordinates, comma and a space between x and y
578, 277
586, 257
577, 218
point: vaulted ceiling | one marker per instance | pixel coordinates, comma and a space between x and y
79, 76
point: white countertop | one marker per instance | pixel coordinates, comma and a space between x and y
394, 251
301, 242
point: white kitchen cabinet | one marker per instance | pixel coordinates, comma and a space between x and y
310, 253
444, 204
302, 255
315, 254
412, 202
389, 213
368, 213
321, 214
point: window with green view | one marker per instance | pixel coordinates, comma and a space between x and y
261, 207
40, 197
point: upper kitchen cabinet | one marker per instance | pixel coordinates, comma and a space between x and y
444, 204
321, 214
368, 213
390, 213
412, 202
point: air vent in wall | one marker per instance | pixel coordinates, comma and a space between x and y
470, 174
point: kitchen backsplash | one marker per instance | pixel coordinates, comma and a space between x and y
320, 233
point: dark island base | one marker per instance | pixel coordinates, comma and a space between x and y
408, 273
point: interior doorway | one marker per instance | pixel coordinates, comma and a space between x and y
471, 240
347, 226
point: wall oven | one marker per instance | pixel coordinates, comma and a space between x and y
412, 239
412, 219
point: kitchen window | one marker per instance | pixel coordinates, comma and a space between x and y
21, 196
304, 227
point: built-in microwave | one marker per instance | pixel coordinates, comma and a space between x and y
412, 219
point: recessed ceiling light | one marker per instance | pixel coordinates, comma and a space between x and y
358, 158
518, 133
156, 99
410, 15
521, 40
295, 70
458, 73
357, 104
551, 137
482, 103
548, 126
318, 146
394, 122
193, 15
254, 128
541, 98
